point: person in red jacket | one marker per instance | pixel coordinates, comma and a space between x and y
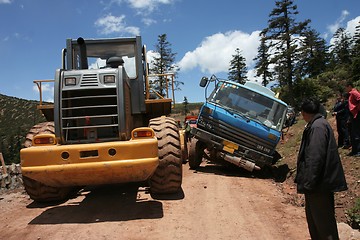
354, 107
319, 172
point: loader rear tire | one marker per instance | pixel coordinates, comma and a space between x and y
196, 153
38, 191
168, 175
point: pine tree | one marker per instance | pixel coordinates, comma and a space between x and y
263, 62
185, 104
313, 55
341, 48
355, 55
164, 63
284, 35
237, 69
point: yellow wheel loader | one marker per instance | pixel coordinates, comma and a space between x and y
107, 124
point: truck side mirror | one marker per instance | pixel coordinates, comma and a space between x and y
203, 81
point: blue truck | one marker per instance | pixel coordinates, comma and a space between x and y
239, 124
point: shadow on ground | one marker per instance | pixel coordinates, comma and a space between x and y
277, 173
102, 204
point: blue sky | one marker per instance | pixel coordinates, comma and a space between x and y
203, 33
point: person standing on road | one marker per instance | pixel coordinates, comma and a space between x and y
341, 113
354, 107
319, 172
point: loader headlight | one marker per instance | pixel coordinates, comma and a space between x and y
109, 79
70, 81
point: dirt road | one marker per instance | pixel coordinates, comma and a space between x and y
216, 203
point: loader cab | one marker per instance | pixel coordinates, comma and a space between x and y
105, 84
102, 53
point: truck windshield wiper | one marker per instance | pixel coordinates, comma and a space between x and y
261, 123
233, 111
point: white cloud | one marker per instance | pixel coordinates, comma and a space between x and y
150, 57
141, 5
97, 64
335, 26
215, 52
5, 1
45, 87
351, 25
148, 21
112, 24
47, 90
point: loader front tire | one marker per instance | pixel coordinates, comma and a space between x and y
38, 191
168, 175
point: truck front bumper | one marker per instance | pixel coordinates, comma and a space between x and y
232, 149
91, 164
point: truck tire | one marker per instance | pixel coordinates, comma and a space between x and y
196, 153
37, 191
168, 175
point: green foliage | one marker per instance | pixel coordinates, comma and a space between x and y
284, 34
306, 88
163, 63
191, 107
263, 61
185, 104
237, 69
354, 214
17, 116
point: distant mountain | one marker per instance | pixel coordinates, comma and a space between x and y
17, 116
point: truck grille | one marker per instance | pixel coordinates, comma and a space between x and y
89, 115
235, 135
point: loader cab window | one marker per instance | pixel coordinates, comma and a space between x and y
129, 65
97, 56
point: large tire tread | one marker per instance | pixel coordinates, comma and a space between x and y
168, 175
196, 153
42, 193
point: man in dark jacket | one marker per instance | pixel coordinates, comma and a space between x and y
341, 112
319, 172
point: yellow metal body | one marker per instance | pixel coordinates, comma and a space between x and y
91, 164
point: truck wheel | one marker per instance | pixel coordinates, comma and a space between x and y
196, 153
37, 191
168, 175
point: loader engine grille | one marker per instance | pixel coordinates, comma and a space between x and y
226, 131
89, 80
89, 115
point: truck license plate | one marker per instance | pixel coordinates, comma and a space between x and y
229, 146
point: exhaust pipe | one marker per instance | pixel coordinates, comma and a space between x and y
238, 161
83, 56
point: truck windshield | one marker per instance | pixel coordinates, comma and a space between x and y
254, 105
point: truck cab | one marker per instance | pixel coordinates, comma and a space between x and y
240, 124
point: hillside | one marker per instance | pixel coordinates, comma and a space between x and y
17, 116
